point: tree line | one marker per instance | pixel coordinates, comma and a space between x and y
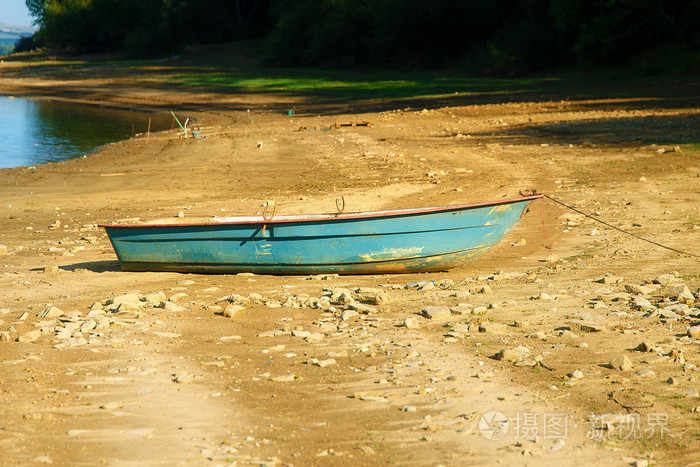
496, 36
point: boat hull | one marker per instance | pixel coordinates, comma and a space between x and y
421, 240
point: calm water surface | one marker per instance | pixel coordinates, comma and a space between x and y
35, 132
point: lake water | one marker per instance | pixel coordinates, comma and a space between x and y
35, 132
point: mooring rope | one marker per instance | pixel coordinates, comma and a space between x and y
621, 230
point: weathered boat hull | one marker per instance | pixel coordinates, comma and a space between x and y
401, 241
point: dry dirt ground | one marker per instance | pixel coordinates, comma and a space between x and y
144, 385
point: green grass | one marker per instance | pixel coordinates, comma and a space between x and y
344, 84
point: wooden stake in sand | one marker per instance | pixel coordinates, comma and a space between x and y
148, 133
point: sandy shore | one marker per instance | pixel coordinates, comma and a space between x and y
575, 340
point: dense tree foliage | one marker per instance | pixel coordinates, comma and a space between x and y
488, 35
146, 27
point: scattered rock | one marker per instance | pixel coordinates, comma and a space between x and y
642, 303
665, 279
172, 307
50, 312
515, 355
578, 374
184, 378
167, 335
640, 289
645, 373
645, 347
323, 363
128, 299
436, 312
154, 298
411, 323
111, 406
231, 310
461, 309
493, 328
284, 378
609, 279
621, 362
362, 308
3, 250
177, 297
314, 337
30, 336
538, 335
230, 338
586, 327
347, 314
482, 289
694, 332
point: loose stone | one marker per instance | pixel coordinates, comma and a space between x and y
172, 307
645, 347
347, 314
50, 312
230, 338
493, 328
314, 337
184, 378
622, 363
323, 363
284, 378
515, 355
328, 328
154, 298
362, 308
586, 327
538, 335
436, 312
640, 289
129, 299
177, 297
411, 323
231, 310
665, 279
31, 336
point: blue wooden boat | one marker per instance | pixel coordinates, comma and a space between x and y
397, 241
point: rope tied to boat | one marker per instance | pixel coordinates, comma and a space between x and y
631, 234
340, 204
265, 216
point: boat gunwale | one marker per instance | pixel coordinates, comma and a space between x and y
302, 218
